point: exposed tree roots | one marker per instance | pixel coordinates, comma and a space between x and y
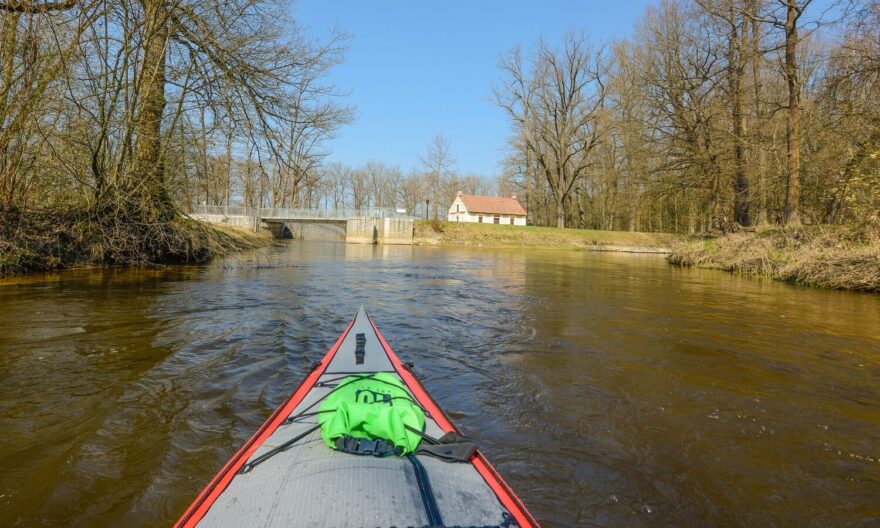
51, 239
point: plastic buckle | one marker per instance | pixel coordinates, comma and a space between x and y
367, 447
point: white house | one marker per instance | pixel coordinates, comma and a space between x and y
487, 210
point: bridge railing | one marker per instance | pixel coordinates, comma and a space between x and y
373, 212
224, 210
274, 212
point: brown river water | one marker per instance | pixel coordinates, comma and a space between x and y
608, 389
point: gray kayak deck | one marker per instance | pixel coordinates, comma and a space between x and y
312, 485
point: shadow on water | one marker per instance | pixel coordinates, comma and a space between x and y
609, 389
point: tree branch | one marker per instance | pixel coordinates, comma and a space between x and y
31, 8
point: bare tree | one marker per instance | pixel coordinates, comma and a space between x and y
383, 182
793, 12
558, 102
359, 189
437, 162
786, 15
733, 17
412, 191
337, 176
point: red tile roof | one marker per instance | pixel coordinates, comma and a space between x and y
492, 205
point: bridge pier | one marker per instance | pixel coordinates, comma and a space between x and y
397, 231
362, 230
366, 230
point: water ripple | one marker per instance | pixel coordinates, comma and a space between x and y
610, 390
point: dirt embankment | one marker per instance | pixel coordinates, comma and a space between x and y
839, 257
506, 236
45, 240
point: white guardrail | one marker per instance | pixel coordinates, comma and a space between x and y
284, 213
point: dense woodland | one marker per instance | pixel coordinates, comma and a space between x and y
153, 104
715, 114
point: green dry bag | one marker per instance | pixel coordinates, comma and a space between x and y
372, 406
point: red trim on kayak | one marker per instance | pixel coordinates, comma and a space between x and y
206, 498
501, 489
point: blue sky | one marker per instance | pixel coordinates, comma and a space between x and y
418, 68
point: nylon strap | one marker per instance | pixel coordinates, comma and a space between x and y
363, 446
428, 500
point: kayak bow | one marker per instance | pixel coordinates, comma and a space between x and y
285, 475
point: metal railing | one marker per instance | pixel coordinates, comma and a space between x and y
224, 210
285, 213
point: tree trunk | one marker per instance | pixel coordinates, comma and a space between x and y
736, 67
7, 51
792, 196
227, 165
560, 211
436, 197
632, 197
761, 213
528, 183
203, 155
692, 217
149, 169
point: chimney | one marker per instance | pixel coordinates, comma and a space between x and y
513, 196
459, 193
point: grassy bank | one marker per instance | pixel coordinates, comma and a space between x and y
846, 258
54, 239
491, 235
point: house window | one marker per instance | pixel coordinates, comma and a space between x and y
457, 208
497, 219
511, 220
480, 219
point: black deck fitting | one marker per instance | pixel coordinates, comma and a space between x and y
359, 351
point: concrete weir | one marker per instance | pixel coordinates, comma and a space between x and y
361, 230
379, 231
351, 226
333, 230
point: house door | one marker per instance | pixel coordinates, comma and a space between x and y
497, 219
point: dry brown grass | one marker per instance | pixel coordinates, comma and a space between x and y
839, 257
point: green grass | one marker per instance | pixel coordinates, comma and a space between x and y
492, 235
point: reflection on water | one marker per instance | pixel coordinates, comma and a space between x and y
609, 389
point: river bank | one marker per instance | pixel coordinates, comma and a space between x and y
502, 236
52, 239
836, 257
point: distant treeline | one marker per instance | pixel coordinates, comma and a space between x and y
714, 114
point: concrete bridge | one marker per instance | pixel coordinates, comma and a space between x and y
358, 226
